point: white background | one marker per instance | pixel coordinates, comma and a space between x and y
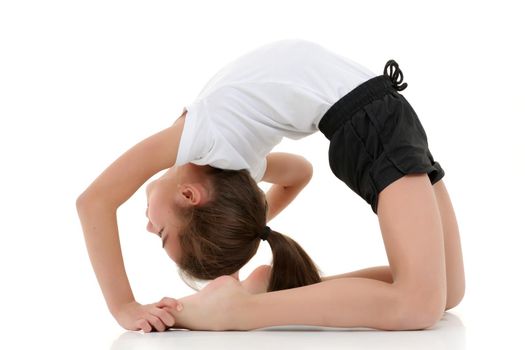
83, 81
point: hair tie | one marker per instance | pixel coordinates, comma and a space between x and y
266, 232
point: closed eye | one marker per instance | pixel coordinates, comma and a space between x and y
164, 238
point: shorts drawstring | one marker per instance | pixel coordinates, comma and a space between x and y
394, 74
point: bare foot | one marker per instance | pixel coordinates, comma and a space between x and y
258, 281
195, 306
216, 307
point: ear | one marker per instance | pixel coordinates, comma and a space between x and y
190, 194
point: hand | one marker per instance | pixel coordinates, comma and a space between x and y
135, 317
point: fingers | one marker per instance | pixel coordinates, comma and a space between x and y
150, 324
164, 316
169, 302
159, 316
157, 324
143, 325
160, 319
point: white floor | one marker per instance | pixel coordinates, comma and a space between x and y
453, 332
448, 334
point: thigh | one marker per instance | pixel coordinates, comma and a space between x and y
413, 236
453, 253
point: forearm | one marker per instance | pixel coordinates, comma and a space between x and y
380, 273
99, 223
279, 197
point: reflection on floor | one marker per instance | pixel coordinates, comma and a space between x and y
448, 333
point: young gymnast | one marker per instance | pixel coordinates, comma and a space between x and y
211, 215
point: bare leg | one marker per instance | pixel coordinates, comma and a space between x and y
413, 236
379, 273
225, 304
453, 253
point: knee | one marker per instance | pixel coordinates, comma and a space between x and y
453, 299
420, 311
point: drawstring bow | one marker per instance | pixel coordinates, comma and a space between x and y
394, 73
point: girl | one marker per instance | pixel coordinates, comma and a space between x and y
211, 215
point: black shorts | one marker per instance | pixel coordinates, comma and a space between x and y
376, 138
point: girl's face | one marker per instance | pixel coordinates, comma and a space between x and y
161, 215
180, 186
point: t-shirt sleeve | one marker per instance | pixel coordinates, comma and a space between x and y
195, 140
258, 171
215, 141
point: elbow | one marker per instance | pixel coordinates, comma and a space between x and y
307, 171
90, 200
83, 200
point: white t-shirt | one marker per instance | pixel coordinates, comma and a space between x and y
281, 89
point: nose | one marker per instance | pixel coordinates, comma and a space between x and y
149, 227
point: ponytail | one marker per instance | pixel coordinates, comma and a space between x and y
292, 267
220, 236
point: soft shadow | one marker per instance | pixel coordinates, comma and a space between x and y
448, 333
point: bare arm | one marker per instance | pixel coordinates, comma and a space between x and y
99, 223
97, 207
289, 173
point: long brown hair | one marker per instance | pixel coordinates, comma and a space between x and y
222, 235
